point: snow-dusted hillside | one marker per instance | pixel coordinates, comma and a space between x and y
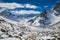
45, 24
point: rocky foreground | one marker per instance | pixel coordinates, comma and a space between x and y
10, 31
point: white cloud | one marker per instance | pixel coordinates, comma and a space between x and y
11, 5
26, 12
16, 5
30, 6
45, 6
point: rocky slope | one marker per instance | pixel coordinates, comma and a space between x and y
45, 24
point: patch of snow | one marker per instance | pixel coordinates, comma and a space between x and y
10, 39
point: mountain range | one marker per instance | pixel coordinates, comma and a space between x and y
44, 19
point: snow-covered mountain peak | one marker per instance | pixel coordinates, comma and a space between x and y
47, 17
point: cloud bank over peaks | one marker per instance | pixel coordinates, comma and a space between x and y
31, 6
16, 5
25, 12
21, 11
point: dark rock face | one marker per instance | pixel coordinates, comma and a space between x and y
57, 6
57, 9
44, 14
45, 21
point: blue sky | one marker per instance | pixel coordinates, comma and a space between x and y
41, 4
